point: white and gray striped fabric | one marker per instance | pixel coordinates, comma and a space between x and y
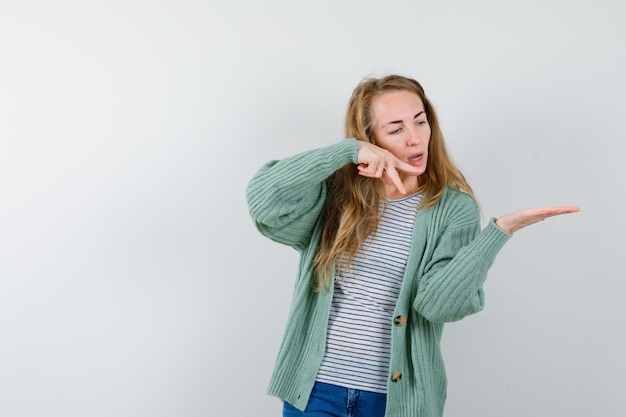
358, 344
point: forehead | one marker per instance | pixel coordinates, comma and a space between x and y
394, 105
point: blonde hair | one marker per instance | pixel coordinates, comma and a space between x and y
353, 206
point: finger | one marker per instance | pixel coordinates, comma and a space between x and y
369, 169
566, 209
378, 167
393, 175
364, 170
407, 168
555, 211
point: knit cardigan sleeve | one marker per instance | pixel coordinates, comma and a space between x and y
451, 285
286, 197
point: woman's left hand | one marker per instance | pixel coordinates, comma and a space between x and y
516, 220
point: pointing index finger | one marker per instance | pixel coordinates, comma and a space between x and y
408, 168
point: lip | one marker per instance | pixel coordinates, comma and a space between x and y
416, 159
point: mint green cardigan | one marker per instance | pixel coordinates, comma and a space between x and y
443, 280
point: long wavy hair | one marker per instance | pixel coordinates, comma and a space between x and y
353, 207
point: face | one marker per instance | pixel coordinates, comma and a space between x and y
400, 126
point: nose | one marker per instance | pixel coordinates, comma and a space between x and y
413, 136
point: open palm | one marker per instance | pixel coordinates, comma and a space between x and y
516, 220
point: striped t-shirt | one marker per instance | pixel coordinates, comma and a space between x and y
358, 342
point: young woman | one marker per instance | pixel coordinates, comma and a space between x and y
391, 248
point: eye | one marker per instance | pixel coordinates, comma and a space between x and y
395, 132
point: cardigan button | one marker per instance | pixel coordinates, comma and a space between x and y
396, 376
400, 320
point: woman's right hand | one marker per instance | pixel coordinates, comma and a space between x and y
376, 162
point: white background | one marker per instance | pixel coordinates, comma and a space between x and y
132, 282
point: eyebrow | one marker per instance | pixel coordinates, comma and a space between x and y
400, 121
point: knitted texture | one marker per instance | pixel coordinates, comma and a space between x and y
443, 281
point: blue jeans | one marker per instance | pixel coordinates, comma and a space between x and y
330, 400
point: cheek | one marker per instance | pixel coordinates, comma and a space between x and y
383, 143
375, 139
392, 147
428, 134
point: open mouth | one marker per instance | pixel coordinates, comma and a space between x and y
416, 157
